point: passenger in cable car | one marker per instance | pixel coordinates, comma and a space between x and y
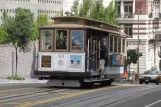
76, 43
103, 55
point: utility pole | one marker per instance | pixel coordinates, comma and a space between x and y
138, 41
138, 46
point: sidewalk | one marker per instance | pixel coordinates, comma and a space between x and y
35, 80
126, 81
6, 81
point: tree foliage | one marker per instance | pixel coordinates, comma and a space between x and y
42, 20
36, 32
133, 56
111, 13
94, 9
74, 8
3, 33
3, 36
20, 29
97, 10
85, 8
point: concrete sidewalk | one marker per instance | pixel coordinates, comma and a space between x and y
35, 80
6, 81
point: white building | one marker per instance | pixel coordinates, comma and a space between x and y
148, 30
50, 7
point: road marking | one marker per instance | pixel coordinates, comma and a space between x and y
18, 89
153, 103
129, 84
16, 103
64, 97
3, 95
65, 93
27, 93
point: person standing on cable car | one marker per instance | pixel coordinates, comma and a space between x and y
103, 54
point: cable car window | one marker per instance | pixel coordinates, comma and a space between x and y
123, 45
46, 39
111, 44
77, 41
115, 44
119, 44
61, 39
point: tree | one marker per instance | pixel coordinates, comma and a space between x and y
97, 10
74, 8
42, 20
133, 56
5, 17
20, 30
3, 35
111, 13
36, 32
94, 9
85, 8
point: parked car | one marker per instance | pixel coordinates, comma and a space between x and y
150, 76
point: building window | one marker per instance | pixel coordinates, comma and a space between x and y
128, 30
119, 9
128, 9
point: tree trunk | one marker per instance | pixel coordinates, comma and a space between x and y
16, 61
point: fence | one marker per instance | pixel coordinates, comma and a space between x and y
26, 61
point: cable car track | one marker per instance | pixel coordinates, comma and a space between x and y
29, 95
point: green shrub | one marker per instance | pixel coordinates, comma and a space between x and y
15, 78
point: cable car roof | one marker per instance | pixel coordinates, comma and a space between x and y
84, 23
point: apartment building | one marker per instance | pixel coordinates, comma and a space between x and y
141, 18
50, 7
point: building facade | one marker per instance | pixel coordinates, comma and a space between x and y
141, 18
50, 7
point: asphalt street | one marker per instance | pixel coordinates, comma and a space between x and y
117, 95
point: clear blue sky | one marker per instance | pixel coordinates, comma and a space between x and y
69, 3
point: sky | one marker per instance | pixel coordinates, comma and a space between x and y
69, 3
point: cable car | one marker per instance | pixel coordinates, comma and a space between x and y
70, 52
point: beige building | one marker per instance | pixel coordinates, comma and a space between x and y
149, 12
50, 7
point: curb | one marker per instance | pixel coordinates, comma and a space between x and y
6, 81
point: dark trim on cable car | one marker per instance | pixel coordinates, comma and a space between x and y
62, 74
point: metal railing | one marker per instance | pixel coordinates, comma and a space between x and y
126, 15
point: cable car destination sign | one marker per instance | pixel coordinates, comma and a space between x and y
46, 61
